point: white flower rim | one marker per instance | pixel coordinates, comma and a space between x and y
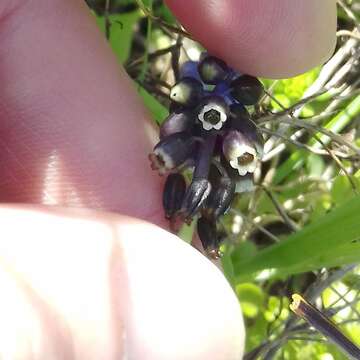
165, 158
208, 126
238, 152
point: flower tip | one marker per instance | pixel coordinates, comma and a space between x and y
157, 163
214, 254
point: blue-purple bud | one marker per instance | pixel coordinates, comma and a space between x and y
171, 152
212, 70
247, 89
173, 195
188, 92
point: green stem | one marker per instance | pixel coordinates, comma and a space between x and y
336, 125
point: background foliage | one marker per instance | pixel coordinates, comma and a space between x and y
299, 229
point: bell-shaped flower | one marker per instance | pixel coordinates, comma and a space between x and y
240, 152
178, 121
240, 120
220, 198
209, 237
173, 195
213, 112
172, 151
194, 199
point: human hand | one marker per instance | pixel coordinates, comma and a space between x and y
85, 284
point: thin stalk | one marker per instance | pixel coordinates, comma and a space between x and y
204, 157
326, 134
145, 64
324, 325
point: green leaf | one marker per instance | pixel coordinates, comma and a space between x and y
158, 111
342, 190
121, 32
251, 297
331, 241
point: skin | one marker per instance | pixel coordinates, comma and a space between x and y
106, 283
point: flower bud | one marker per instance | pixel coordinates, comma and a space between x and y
209, 237
240, 152
177, 121
213, 112
220, 198
195, 196
173, 195
247, 89
171, 152
212, 70
190, 69
187, 91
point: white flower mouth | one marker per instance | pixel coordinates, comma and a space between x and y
161, 161
212, 116
244, 159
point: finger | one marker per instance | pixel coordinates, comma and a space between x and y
72, 128
270, 38
99, 285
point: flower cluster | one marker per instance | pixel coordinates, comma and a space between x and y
210, 132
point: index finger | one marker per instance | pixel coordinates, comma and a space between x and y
269, 38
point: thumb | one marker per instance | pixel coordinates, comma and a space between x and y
92, 285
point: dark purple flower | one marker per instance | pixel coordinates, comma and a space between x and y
240, 152
220, 198
209, 237
240, 120
178, 121
247, 89
194, 199
173, 195
171, 152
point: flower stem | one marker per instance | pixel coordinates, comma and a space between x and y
204, 157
